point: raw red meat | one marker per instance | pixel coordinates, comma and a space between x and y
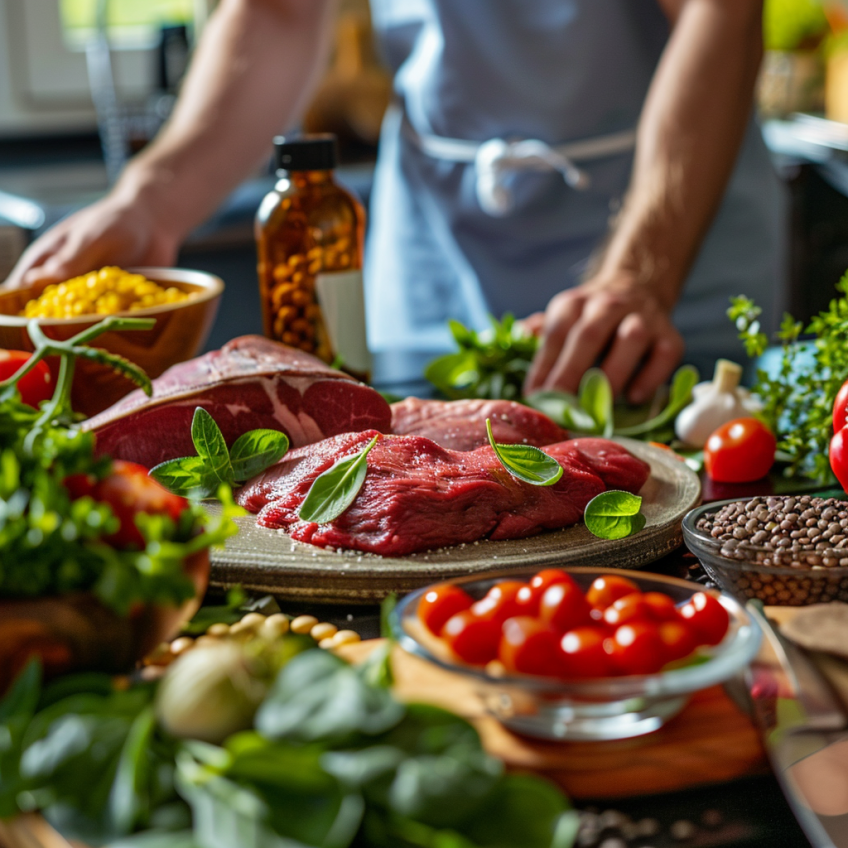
418, 495
249, 383
461, 424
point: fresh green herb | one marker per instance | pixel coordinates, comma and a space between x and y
614, 515
564, 409
684, 380
491, 364
200, 476
595, 396
798, 394
336, 489
526, 462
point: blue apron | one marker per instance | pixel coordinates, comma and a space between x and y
560, 72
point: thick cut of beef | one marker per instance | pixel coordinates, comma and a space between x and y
461, 424
418, 495
249, 383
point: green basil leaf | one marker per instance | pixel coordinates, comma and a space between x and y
564, 409
188, 476
526, 462
685, 379
210, 445
454, 373
256, 450
596, 399
614, 515
336, 489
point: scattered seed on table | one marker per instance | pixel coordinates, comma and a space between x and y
323, 630
303, 624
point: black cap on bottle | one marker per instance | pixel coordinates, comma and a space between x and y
317, 152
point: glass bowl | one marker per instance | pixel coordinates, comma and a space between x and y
601, 708
752, 572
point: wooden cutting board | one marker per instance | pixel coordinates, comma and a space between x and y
264, 560
710, 741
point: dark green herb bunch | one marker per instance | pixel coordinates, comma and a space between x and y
798, 396
51, 544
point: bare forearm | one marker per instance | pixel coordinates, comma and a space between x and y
689, 135
250, 76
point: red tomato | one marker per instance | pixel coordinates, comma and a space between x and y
564, 607
474, 640
661, 606
636, 648
129, 491
707, 617
583, 654
501, 602
440, 603
605, 590
548, 577
678, 640
740, 451
529, 647
631, 607
839, 456
840, 408
34, 387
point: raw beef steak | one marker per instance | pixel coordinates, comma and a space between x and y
418, 496
461, 424
249, 383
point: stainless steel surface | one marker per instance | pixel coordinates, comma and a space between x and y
803, 727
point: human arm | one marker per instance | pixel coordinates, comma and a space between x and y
689, 134
250, 75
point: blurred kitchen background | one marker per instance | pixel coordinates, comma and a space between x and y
84, 84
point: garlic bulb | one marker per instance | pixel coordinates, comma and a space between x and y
209, 693
715, 403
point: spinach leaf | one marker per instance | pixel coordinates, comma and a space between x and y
614, 515
563, 408
596, 399
526, 462
685, 379
188, 476
336, 489
210, 446
256, 450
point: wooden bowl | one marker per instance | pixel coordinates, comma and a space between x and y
77, 633
180, 332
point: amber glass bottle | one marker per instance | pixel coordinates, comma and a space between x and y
309, 236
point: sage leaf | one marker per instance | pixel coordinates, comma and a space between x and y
210, 445
596, 399
685, 379
614, 515
187, 476
526, 462
256, 450
336, 489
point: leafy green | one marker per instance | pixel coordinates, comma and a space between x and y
595, 396
332, 492
798, 394
614, 515
526, 462
684, 380
200, 476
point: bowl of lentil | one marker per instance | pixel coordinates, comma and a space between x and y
183, 302
787, 550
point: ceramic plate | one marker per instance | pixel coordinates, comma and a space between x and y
266, 560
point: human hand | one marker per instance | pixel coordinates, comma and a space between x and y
622, 321
113, 231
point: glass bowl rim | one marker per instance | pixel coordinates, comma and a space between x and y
717, 668
695, 538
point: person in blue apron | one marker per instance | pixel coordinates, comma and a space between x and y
591, 164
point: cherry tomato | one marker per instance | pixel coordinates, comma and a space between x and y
840, 408
631, 607
605, 590
678, 639
707, 617
474, 640
661, 606
541, 581
440, 603
740, 451
564, 607
583, 654
839, 456
501, 602
529, 647
636, 648
129, 491
36, 386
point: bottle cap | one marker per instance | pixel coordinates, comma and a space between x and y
317, 152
